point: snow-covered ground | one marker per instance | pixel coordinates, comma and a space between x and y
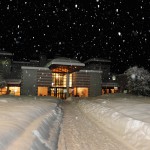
29, 123
125, 116
108, 122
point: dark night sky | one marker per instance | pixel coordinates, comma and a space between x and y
118, 30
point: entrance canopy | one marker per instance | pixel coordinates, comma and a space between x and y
13, 82
63, 64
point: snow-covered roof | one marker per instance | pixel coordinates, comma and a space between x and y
13, 81
65, 61
63, 64
36, 61
91, 71
97, 60
5, 53
109, 84
34, 68
21, 62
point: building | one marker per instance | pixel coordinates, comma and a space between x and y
108, 84
60, 77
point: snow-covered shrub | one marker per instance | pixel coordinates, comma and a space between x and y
138, 80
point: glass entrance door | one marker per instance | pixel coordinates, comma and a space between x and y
58, 92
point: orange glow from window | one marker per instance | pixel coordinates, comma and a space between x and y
14, 91
42, 91
3, 91
81, 92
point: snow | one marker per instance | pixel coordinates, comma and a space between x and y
36, 123
29, 123
36, 68
65, 61
126, 116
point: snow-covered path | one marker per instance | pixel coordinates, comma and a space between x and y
108, 122
79, 132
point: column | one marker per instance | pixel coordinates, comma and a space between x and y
67, 84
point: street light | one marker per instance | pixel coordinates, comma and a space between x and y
113, 77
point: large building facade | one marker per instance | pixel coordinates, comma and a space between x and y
59, 77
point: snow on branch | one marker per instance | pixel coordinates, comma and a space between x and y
138, 80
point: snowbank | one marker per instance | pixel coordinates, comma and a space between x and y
127, 117
17, 114
47, 133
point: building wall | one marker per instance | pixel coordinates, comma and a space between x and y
44, 78
32, 77
90, 79
29, 82
103, 66
122, 81
43, 60
106, 71
95, 84
81, 79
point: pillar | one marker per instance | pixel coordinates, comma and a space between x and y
67, 85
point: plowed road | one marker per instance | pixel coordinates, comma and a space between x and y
80, 132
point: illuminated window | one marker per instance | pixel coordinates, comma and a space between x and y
42, 91
3, 91
14, 91
81, 92
59, 80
